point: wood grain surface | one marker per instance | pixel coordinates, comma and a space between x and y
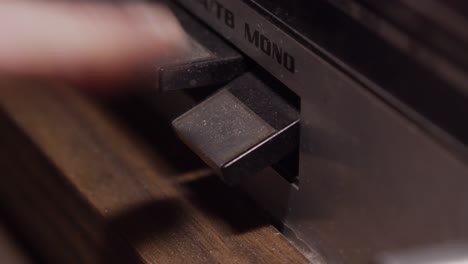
11, 251
93, 183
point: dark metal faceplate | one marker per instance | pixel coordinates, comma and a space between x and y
375, 176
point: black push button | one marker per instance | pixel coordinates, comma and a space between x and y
241, 129
211, 61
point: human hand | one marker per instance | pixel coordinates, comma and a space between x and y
91, 42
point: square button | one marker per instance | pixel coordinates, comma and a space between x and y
221, 128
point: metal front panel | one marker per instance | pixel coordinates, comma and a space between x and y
215, 12
371, 181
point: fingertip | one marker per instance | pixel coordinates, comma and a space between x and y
99, 42
164, 32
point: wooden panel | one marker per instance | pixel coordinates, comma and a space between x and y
11, 251
89, 189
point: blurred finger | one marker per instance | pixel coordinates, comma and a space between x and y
89, 41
